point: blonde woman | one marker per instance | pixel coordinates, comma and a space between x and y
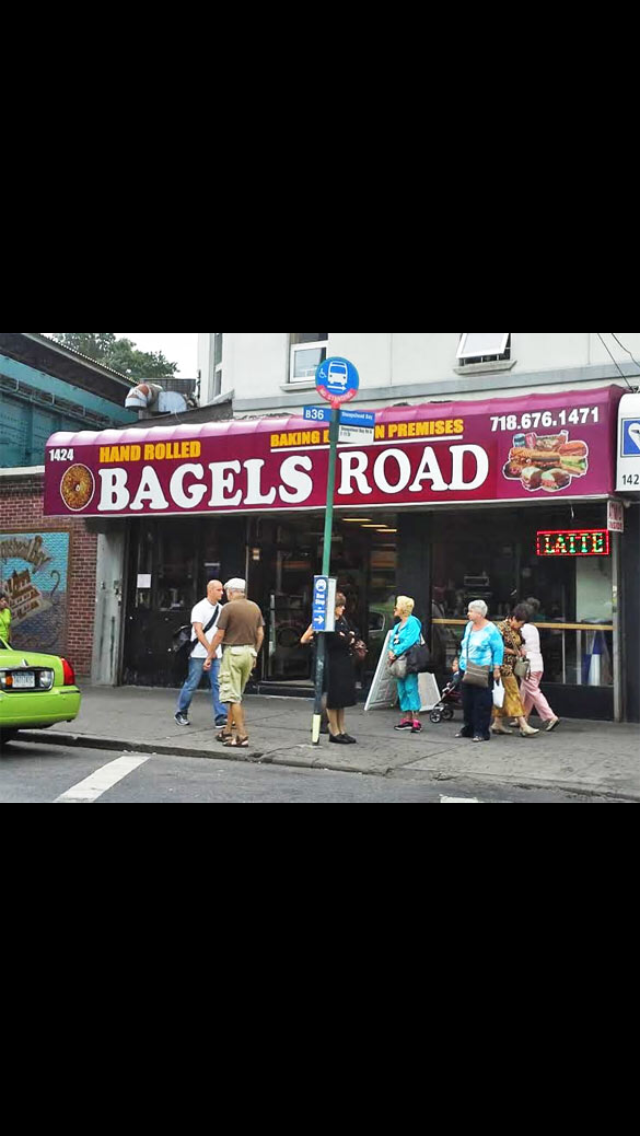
407, 633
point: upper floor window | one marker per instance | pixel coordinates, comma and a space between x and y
484, 346
308, 351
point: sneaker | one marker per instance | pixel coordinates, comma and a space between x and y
403, 726
181, 719
220, 722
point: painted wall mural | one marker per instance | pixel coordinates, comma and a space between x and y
34, 570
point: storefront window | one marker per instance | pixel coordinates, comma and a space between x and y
493, 555
289, 553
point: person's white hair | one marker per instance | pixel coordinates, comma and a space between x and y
405, 604
236, 585
478, 605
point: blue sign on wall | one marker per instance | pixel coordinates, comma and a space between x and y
631, 438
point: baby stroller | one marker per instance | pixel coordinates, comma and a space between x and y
444, 710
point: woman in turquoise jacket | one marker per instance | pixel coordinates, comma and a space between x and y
405, 635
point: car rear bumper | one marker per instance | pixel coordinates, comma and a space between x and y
39, 709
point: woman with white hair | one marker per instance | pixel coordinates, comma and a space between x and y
406, 634
483, 648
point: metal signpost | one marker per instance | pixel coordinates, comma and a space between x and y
337, 381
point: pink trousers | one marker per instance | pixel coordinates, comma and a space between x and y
532, 696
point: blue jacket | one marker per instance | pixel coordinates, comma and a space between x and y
486, 649
404, 638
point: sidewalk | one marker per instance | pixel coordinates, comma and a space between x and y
587, 757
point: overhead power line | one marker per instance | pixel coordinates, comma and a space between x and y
615, 362
625, 348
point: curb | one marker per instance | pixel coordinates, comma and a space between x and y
257, 757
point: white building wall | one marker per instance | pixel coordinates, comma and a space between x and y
256, 364
205, 365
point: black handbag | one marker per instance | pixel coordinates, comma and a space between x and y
418, 659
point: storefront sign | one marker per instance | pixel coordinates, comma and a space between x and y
574, 542
629, 444
535, 448
615, 516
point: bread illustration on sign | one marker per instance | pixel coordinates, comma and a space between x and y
547, 462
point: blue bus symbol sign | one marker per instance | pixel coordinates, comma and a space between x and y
337, 380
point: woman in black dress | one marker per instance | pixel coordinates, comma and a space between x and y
341, 681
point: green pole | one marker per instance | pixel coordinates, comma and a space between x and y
334, 431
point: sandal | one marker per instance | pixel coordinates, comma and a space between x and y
223, 736
237, 743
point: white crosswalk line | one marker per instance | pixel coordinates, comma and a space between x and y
459, 800
105, 778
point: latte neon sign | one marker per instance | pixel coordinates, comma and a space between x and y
574, 542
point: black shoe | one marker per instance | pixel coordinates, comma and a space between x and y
351, 741
403, 726
181, 719
338, 739
463, 734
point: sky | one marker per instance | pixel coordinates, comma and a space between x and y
178, 346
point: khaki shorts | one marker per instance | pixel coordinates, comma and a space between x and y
235, 672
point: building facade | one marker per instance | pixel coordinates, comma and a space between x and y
490, 475
48, 565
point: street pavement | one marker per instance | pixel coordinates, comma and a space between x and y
599, 758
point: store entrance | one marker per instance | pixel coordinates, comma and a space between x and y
284, 556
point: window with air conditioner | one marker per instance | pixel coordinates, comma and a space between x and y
308, 351
484, 347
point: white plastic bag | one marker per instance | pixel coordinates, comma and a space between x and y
498, 695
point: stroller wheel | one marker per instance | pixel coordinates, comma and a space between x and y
448, 713
435, 717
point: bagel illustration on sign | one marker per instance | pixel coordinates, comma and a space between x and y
77, 487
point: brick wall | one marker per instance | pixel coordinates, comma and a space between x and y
21, 504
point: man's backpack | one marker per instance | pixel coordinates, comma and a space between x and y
181, 639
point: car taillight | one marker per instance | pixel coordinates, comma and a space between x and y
68, 673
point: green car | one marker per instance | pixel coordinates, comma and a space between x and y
36, 691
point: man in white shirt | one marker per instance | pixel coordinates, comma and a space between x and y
204, 625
